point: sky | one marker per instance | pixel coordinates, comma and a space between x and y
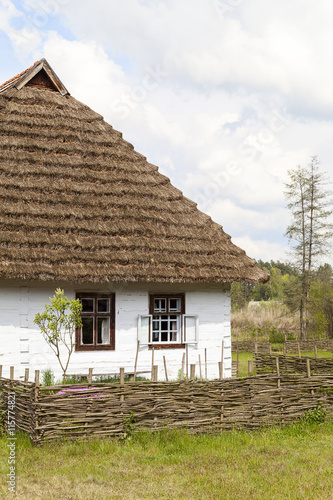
224, 96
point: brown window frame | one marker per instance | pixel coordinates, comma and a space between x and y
95, 314
167, 344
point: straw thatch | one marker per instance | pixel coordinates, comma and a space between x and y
78, 203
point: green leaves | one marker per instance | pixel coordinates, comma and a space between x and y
58, 323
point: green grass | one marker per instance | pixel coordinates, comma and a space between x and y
279, 463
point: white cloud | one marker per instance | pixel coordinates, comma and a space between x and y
262, 249
224, 102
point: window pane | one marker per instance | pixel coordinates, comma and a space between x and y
159, 305
87, 305
103, 305
164, 336
103, 330
174, 305
155, 337
87, 330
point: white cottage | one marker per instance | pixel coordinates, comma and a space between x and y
81, 210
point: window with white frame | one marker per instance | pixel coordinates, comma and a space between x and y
98, 322
167, 325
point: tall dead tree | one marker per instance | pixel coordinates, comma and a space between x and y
310, 230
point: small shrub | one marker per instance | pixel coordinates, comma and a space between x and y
47, 377
315, 416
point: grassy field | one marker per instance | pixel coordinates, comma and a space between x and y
280, 463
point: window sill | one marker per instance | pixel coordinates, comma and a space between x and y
166, 346
94, 348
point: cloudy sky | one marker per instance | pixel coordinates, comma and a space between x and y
225, 96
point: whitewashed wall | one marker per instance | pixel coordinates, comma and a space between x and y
22, 345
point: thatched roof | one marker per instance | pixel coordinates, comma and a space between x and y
79, 204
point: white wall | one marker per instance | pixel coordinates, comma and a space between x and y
22, 345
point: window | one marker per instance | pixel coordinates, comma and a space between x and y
166, 324
98, 322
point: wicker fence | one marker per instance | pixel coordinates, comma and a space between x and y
290, 346
265, 363
87, 410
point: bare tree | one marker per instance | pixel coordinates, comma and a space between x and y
310, 229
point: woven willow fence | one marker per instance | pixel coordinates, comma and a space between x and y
291, 346
79, 411
266, 363
250, 346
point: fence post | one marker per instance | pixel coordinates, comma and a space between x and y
122, 382
11, 373
90, 376
220, 371
165, 369
255, 348
222, 359
36, 400
308, 367
299, 350
136, 359
183, 368
270, 349
26, 375
155, 373
249, 365
0, 370
152, 364
192, 372
315, 350
284, 349
186, 352
200, 370
206, 364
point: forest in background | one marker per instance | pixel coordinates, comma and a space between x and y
271, 310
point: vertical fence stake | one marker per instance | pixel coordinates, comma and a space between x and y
206, 364
192, 367
136, 359
122, 382
222, 359
249, 365
155, 373
90, 376
0, 370
237, 359
270, 349
299, 350
220, 370
186, 351
200, 371
26, 375
284, 349
165, 369
152, 362
183, 368
308, 367
11, 373
315, 350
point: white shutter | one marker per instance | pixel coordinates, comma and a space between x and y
191, 329
144, 328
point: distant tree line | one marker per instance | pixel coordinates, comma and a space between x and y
285, 286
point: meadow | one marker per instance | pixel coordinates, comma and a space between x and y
294, 462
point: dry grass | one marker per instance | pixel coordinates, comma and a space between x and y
260, 321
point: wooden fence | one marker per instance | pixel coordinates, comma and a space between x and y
292, 346
265, 363
93, 410
289, 346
